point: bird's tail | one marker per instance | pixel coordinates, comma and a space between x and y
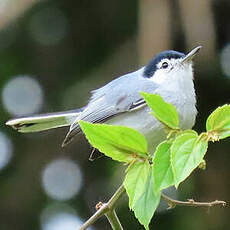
42, 122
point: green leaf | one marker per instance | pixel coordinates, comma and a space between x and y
219, 121
162, 169
148, 202
187, 131
118, 142
187, 152
135, 180
163, 111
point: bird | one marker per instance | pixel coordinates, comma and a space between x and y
169, 74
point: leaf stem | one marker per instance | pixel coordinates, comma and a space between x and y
113, 220
106, 208
173, 203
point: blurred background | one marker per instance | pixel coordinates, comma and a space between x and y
52, 54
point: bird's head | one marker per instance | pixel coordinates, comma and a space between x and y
170, 66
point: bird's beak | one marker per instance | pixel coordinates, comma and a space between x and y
189, 57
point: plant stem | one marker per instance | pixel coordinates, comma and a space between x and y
113, 220
116, 196
105, 209
173, 203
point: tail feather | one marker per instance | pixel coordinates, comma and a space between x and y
42, 122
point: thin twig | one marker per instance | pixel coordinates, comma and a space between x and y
108, 208
113, 220
104, 208
116, 196
173, 203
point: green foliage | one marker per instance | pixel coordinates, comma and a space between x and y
118, 142
135, 180
162, 168
163, 111
187, 152
173, 161
219, 122
146, 205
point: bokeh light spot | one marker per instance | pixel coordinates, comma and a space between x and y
48, 26
6, 150
22, 95
225, 60
62, 179
60, 217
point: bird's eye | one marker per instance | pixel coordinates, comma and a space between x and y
164, 65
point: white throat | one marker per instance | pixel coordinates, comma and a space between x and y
179, 91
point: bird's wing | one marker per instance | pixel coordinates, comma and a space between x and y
101, 112
119, 96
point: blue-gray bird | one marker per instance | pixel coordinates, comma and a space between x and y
169, 74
